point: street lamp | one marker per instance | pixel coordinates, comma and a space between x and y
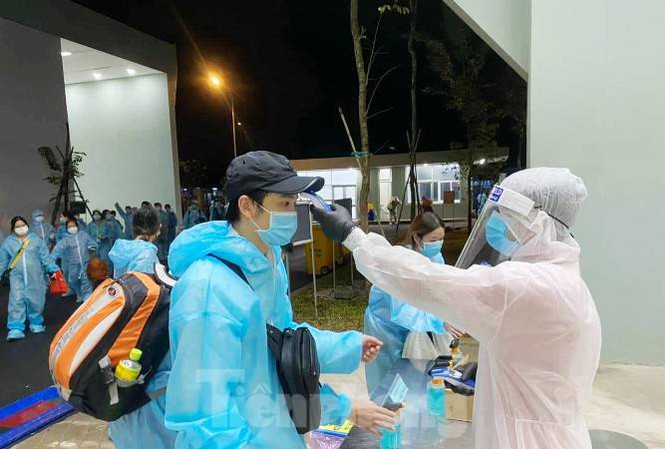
218, 83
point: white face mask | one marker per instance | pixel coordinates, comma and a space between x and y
73, 230
21, 231
39, 219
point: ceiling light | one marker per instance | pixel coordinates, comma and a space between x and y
97, 76
131, 72
65, 53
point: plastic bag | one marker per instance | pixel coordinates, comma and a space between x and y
58, 285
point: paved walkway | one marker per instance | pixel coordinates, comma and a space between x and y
639, 413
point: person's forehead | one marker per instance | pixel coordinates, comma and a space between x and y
282, 197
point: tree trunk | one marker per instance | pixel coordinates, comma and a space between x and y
414, 72
413, 179
362, 115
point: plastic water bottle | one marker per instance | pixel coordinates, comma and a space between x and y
128, 370
392, 439
436, 397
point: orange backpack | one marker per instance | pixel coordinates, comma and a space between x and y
130, 312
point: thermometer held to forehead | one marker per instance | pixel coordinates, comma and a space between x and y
316, 200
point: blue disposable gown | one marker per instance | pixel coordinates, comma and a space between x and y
27, 282
43, 229
390, 320
61, 232
223, 391
193, 217
173, 224
143, 428
128, 218
115, 229
101, 233
74, 250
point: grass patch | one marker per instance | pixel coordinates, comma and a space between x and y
348, 314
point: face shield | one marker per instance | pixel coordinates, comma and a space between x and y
504, 226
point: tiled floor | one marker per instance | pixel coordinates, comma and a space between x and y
626, 399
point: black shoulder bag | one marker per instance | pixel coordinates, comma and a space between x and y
297, 364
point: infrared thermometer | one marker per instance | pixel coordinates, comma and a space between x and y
317, 200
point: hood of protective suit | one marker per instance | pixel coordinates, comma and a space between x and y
217, 238
556, 191
126, 251
37, 213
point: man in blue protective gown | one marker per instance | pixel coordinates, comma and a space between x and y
223, 390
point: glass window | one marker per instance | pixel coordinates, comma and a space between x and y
425, 189
344, 177
424, 173
338, 192
326, 193
385, 174
350, 192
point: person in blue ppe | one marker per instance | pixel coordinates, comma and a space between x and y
80, 221
481, 199
193, 216
100, 232
26, 257
389, 319
140, 254
43, 228
162, 240
126, 216
223, 389
74, 250
61, 231
172, 224
115, 228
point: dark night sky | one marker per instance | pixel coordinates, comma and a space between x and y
290, 63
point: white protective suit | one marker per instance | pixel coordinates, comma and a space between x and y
534, 317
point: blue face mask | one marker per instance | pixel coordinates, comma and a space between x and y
432, 249
283, 226
496, 233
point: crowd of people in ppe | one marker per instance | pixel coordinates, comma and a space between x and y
516, 288
86, 253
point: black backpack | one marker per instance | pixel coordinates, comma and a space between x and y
298, 370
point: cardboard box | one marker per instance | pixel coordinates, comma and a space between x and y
458, 407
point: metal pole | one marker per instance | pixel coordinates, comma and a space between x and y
233, 120
311, 245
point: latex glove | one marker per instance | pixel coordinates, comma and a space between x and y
336, 224
371, 348
371, 417
456, 333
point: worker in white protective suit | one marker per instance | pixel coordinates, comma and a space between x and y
518, 290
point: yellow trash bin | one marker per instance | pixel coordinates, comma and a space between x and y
323, 252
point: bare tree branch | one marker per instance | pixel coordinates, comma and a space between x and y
383, 111
372, 55
378, 83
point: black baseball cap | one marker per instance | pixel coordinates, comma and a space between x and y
267, 171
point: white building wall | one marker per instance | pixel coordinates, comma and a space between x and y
597, 105
32, 114
502, 24
123, 126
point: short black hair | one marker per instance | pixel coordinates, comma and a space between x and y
72, 220
233, 212
158, 204
167, 206
145, 204
145, 222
